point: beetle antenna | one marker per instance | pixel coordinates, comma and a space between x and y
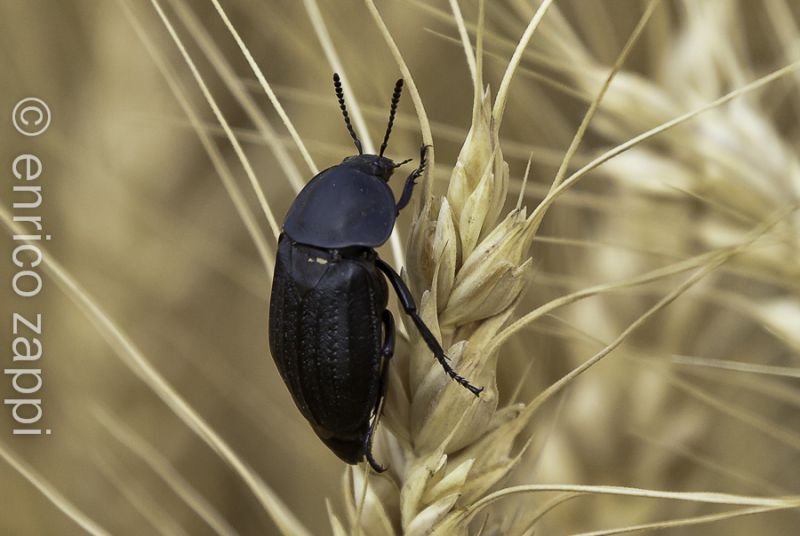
337, 84
398, 89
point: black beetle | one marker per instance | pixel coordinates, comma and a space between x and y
330, 333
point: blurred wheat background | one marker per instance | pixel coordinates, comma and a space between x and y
173, 264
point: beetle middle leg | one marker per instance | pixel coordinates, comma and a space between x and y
411, 181
387, 352
407, 301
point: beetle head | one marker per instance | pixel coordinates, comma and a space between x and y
371, 164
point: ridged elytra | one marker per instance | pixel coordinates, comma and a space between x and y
330, 332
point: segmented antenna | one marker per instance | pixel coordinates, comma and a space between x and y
398, 89
337, 84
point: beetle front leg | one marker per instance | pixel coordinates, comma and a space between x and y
411, 181
387, 352
407, 301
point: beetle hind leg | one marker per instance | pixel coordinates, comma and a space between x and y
407, 301
378, 468
387, 352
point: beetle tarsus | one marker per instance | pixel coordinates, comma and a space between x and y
465, 383
411, 181
378, 468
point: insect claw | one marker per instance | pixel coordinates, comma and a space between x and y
475, 390
378, 468
471, 388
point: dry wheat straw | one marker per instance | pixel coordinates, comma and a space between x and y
684, 452
52, 494
411, 89
686, 522
263, 126
161, 466
150, 511
212, 102
442, 131
267, 89
221, 167
353, 106
136, 361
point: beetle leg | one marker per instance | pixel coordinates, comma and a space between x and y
388, 331
411, 181
387, 352
378, 468
373, 426
407, 301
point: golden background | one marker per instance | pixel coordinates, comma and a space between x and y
141, 221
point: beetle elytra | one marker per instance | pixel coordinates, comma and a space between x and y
330, 332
